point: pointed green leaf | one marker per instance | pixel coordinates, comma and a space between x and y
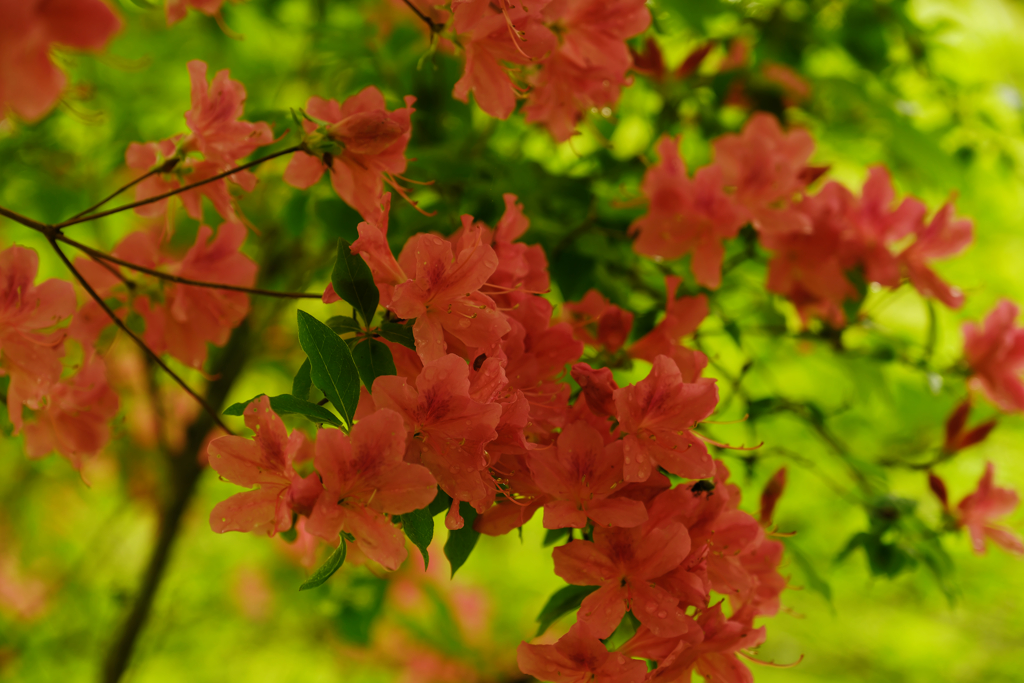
399, 334
353, 282
327, 569
303, 382
814, 580
553, 536
419, 527
343, 324
461, 542
563, 601
286, 404
331, 366
442, 501
373, 359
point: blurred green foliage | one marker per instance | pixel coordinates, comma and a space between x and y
931, 89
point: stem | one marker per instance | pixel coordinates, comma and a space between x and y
153, 171
96, 254
142, 345
434, 26
18, 218
185, 473
186, 188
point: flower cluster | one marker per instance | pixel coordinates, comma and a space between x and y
217, 141
823, 245
70, 412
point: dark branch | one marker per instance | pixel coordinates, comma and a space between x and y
163, 168
186, 188
27, 222
96, 254
142, 345
434, 26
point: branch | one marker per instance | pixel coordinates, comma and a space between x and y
142, 345
163, 168
18, 218
434, 26
186, 188
96, 254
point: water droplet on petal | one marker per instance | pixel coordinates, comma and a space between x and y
627, 461
651, 606
640, 458
662, 614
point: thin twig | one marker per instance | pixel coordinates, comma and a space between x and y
111, 269
142, 345
182, 280
27, 222
186, 188
153, 171
434, 26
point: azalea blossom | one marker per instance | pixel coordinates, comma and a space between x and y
265, 461
359, 142
978, 510
683, 315
580, 475
219, 139
658, 415
30, 83
29, 354
450, 429
624, 563
686, 216
75, 421
995, 354
579, 656
365, 478
943, 237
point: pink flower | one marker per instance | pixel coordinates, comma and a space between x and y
218, 134
686, 216
598, 322
623, 563
444, 295
190, 317
995, 353
945, 236
30, 83
264, 461
658, 415
874, 225
28, 355
764, 165
365, 145
364, 478
682, 318
578, 657
580, 476
988, 503
75, 421
490, 36
451, 430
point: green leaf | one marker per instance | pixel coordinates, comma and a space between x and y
814, 580
331, 366
419, 527
461, 542
303, 382
564, 600
399, 334
373, 359
553, 536
286, 404
353, 282
343, 324
361, 604
442, 501
327, 569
